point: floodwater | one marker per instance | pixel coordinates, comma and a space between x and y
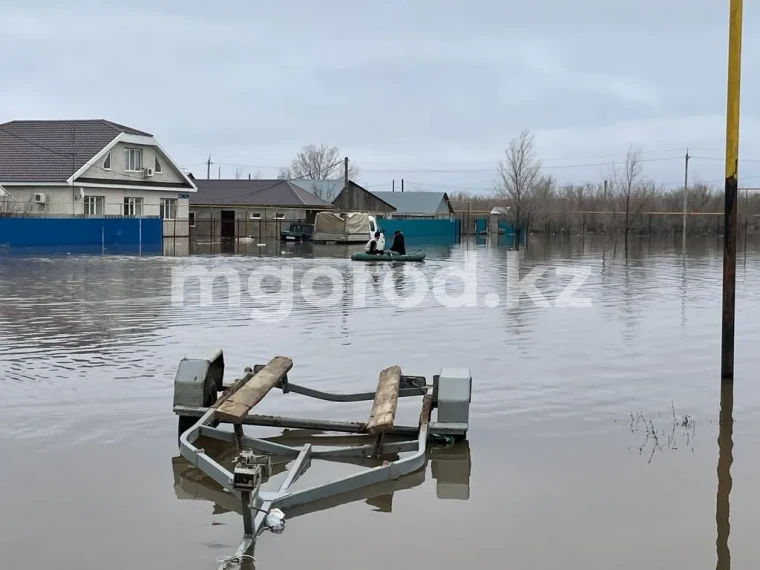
594, 439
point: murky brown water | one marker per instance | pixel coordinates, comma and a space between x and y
563, 468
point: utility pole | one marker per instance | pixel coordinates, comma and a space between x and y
732, 189
604, 205
393, 186
345, 184
208, 167
219, 175
685, 195
402, 184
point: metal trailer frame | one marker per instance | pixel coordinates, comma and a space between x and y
244, 481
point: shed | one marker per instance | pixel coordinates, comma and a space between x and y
250, 208
356, 198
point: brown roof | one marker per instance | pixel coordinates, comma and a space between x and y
254, 193
51, 151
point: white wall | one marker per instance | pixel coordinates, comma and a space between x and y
119, 164
66, 201
20, 200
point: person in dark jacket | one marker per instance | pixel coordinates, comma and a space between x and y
398, 247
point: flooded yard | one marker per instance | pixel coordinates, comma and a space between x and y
594, 438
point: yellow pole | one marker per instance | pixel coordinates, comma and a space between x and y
732, 184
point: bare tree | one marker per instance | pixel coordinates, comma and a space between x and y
629, 194
6, 206
317, 163
9, 204
544, 201
518, 174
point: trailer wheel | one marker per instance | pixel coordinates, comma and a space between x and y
210, 396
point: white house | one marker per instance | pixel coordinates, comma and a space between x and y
90, 168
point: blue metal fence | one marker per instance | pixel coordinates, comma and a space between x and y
506, 227
423, 231
108, 235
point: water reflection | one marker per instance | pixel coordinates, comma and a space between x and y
89, 347
725, 459
450, 466
272, 247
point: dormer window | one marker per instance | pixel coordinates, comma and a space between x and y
107, 162
157, 168
134, 160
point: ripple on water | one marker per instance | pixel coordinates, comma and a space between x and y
89, 347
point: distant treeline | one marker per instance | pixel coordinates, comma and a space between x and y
591, 208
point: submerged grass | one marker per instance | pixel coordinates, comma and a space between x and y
677, 432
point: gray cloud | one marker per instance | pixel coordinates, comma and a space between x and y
401, 87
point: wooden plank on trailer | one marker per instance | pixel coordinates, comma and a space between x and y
386, 401
238, 404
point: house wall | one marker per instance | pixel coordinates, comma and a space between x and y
169, 173
20, 200
442, 212
208, 221
65, 201
356, 199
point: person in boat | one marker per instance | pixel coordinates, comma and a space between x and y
380, 241
398, 247
372, 245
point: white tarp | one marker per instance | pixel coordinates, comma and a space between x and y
351, 223
329, 222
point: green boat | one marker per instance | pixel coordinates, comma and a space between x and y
361, 256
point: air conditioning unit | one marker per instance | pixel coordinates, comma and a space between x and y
40, 198
148, 172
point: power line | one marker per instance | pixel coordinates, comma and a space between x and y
482, 170
50, 150
553, 159
276, 163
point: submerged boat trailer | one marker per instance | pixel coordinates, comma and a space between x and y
201, 409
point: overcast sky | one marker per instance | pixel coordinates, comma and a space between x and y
405, 89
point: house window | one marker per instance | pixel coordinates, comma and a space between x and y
168, 208
254, 216
107, 162
279, 216
192, 219
157, 168
93, 205
134, 160
133, 207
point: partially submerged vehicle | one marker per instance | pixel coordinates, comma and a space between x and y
343, 227
444, 414
297, 231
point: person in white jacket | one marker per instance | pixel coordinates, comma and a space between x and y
376, 244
